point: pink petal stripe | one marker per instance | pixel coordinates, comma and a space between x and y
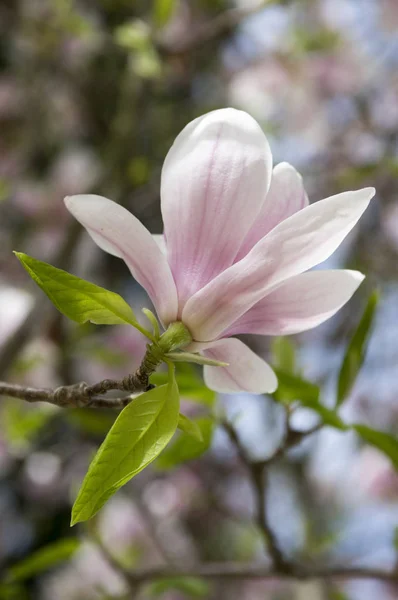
300, 303
247, 372
118, 232
214, 180
285, 197
300, 242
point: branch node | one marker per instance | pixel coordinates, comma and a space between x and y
71, 395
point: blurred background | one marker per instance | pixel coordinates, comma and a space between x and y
92, 94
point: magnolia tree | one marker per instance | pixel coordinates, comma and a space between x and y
236, 256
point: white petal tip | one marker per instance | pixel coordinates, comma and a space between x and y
369, 191
357, 275
70, 202
273, 386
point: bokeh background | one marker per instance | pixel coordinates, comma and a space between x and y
92, 94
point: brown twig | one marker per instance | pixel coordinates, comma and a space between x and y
112, 560
239, 571
258, 478
84, 395
258, 474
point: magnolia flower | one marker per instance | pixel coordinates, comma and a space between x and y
239, 238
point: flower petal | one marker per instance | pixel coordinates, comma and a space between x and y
118, 232
160, 242
302, 302
286, 196
214, 180
300, 242
247, 372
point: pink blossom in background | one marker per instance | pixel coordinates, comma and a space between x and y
239, 238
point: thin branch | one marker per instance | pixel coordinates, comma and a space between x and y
291, 438
167, 554
231, 570
84, 395
258, 474
67, 396
259, 477
259, 480
112, 560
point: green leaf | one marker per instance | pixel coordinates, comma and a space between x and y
22, 423
186, 447
190, 427
13, 591
195, 358
395, 538
146, 63
77, 299
163, 11
43, 559
284, 354
191, 387
337, 595
133, 35
93, 422
328, 416
189, 586
138, 436
356, 350
291, 388
153, 320
385, 442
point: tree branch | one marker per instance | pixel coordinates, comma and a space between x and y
232, 570
258, 475
259, 480
84, 395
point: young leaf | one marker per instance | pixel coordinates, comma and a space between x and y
190, 427
43, 559
284, 354
13, 591
153, 320
385, 442
195, 358
21, 423
328, 416
191, 586
191, 387
163, 11
187, 447
356, 351
395, 538
138, 436
338, 595
77, 299
291, 388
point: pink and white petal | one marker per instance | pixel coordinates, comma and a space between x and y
160, 242
297, 244
118, 232
214, 180
247, 372
301, 303
285, 197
